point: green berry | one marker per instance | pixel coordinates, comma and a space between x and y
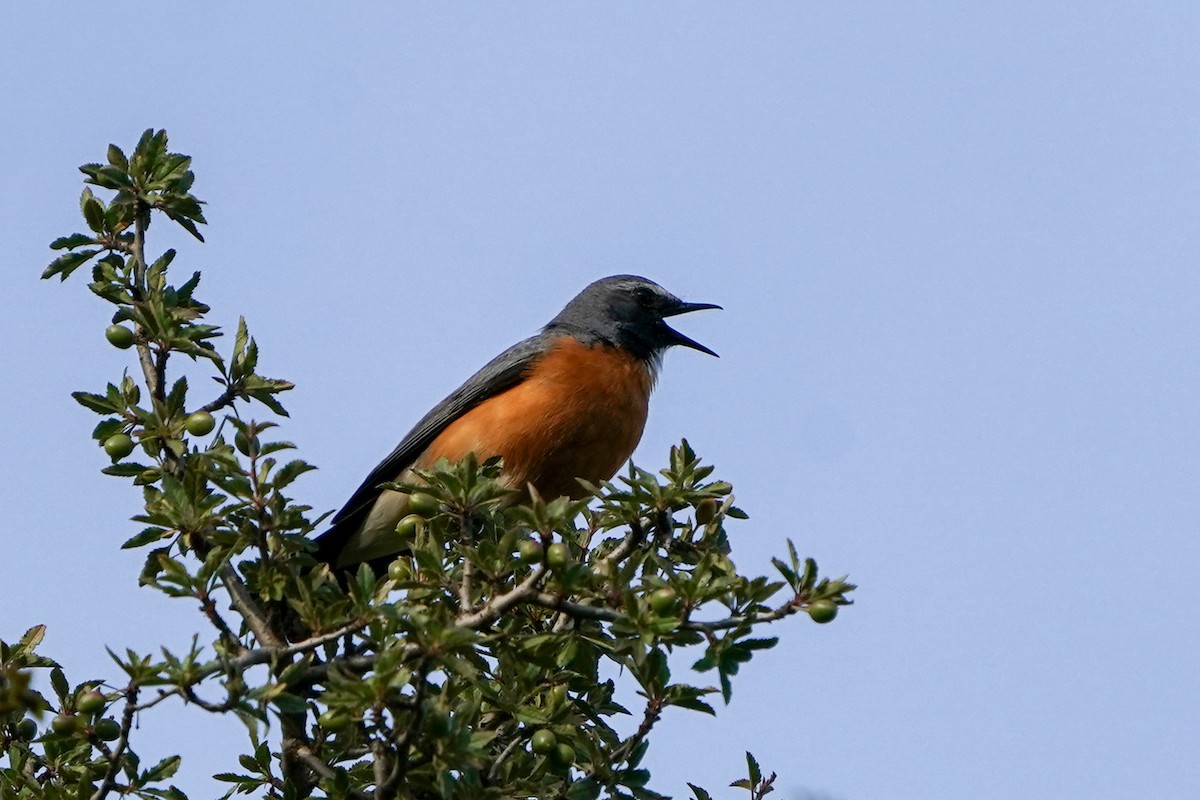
333, 720
65, 724
822, 611
245, 444
408, 527
422, 504
26, 729
663, 601
118, 445
558, 555
563, 755
399, 570
530, 551
90, 703
199, 424
544, 742
119, 336
107, 729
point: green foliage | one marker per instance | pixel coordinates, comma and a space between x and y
493, 659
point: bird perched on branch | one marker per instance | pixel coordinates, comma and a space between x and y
568, 403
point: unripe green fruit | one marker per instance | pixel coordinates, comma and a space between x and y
663, 601
563, 755
119, 336
408, 527
26, 729
706, 509
107, 729
422, 504
90, 703
822, 611
245, 445
333, 720
118, 445
530, 551
199, 424
558, 555
399, 570
65, 724
543, 742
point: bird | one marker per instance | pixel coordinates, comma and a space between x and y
569, 402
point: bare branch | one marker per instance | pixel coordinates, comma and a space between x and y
636, 535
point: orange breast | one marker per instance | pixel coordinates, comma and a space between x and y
579, 413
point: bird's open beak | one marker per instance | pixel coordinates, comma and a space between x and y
679, 338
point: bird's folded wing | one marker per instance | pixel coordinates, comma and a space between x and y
501, 373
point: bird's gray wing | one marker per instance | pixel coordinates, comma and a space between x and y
501, 373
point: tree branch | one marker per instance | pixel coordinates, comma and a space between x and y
501, 603
114, 760
245, 605
225, 398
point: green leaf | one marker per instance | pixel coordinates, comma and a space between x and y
586, 789
72, 241
32, 638
752, 766
162, 770
67, 263
126, 469
58, 682
106, 177
93, 211
290, 703
270, 402
187, 225
95, 402
117, 158
147, 536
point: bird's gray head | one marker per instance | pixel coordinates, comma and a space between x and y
628, 311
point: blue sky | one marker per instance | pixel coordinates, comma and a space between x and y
957, 248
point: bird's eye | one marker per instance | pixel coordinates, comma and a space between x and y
643, 295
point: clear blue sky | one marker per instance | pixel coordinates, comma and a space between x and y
958, 251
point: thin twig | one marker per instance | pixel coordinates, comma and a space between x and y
636, 535
464, 588
580, 611
501, 603
388, 787
227, 635
314, 763
493, 773
225, 398
654, 706
217, 708
114, 761
138, 255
